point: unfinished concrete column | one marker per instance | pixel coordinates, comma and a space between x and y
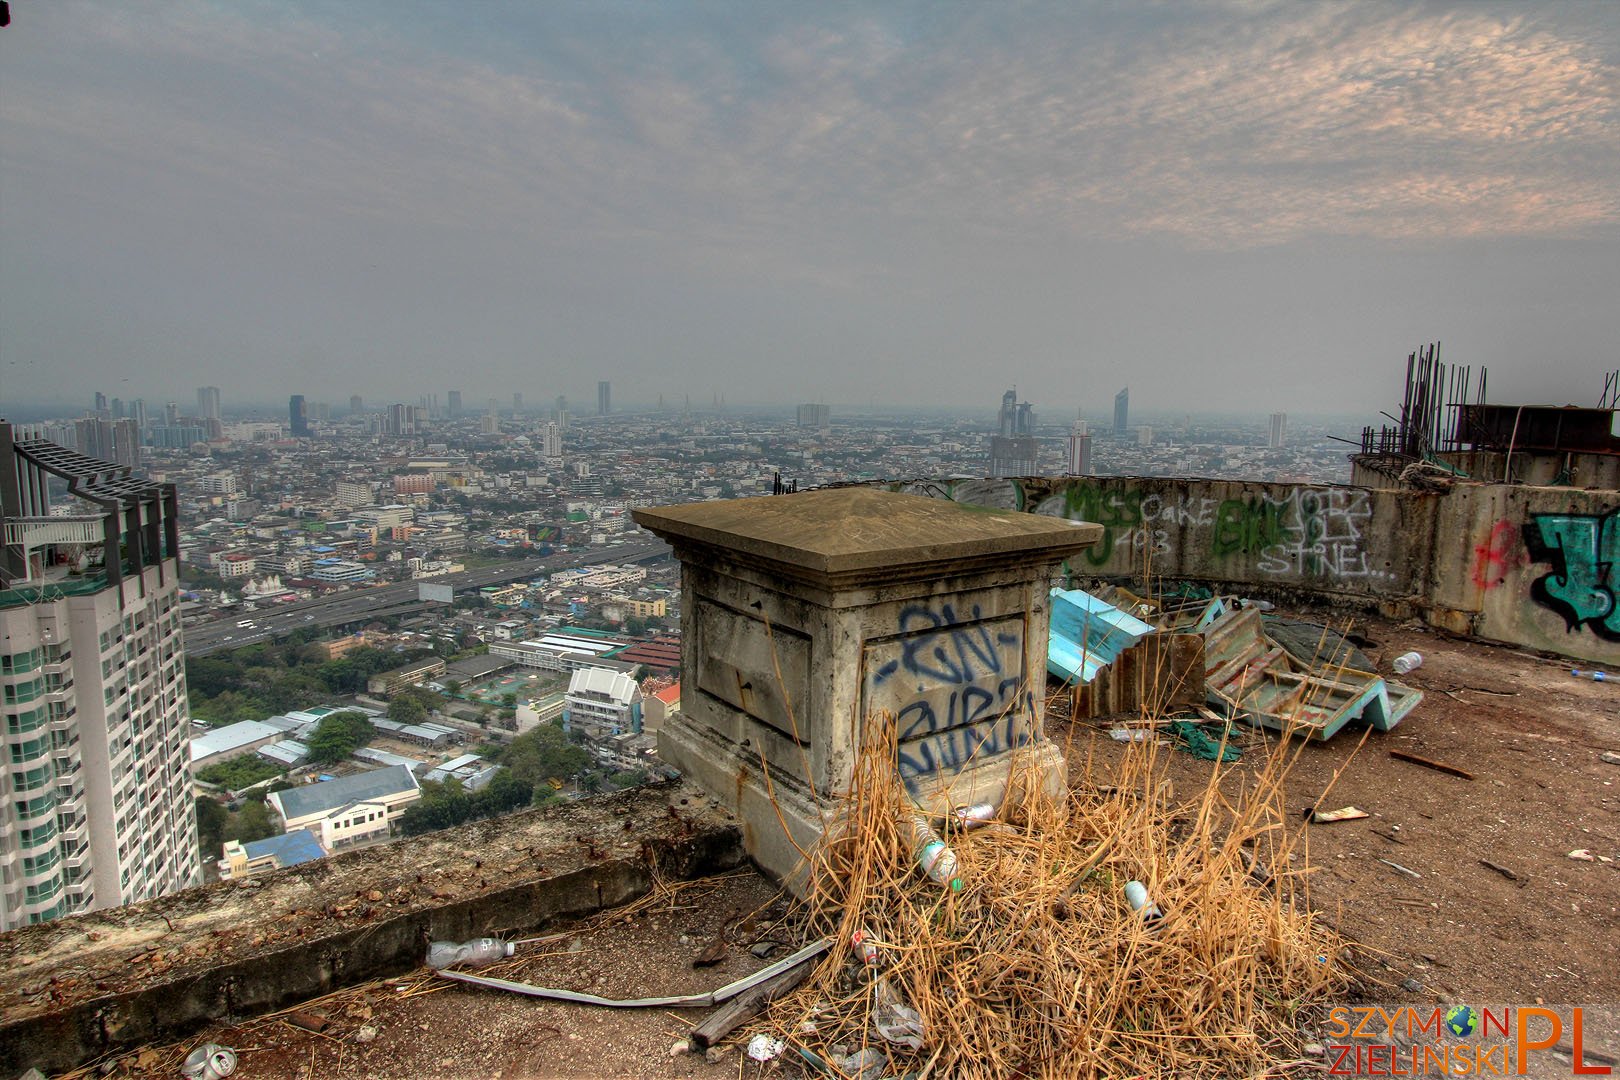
803, 614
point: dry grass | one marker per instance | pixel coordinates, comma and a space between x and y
1038, 967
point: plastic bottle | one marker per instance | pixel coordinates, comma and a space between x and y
1407, 662
480, 952
860, 942
935, 859
1595, 676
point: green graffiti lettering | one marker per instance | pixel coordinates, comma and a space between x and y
1246, 528
1583, 550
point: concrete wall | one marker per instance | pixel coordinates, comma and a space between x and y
1532, 566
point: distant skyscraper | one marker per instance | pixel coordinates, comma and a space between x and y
1079, 450
604, 398
815, 417
517, 403
1279, 431
454, 400
400, 420
101, 402
171, 414
1122, 412
298, 416
208, 402
1144, 436
551, 441
562, 413
356, 403
98, 769
1012, 452
117, 408
138, 411
118, 441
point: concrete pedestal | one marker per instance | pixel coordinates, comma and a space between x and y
804, 614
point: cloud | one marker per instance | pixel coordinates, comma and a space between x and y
1222, 128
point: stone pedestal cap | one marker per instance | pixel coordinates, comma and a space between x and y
840, 537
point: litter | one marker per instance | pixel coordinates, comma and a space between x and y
1327, 817
893, 1019
1595, 676
1405, 870
1582, 855
1406, 662
480, 952
683, 1001
210, 1061
1124, 734
765, 1048
1610, 756
1192, 739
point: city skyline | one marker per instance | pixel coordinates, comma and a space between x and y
1234, 204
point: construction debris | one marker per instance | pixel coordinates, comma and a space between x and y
1123, 653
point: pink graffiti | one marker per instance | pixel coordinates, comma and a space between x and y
1496, 556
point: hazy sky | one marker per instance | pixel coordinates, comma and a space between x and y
1234, 206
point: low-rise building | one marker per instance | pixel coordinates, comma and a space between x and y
391, 682
602, 703
272, 853
234, 740
335, 806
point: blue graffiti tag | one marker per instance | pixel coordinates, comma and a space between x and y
1583, 550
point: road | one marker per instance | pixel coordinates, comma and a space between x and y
363, 605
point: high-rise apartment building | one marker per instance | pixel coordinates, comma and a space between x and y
1278, 435
562, 413
401, 420
517, 402
298, 416
1079, 449
1122, 412
356, 403
551, 440
96, 769
1012, 452
453, 402
604, 398
815, 417
101, 403
208, 402
117, 441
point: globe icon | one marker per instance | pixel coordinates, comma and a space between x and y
1461, 1021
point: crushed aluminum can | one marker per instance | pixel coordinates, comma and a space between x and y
210, 1061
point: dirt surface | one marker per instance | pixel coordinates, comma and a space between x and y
1530, 734
426, 1026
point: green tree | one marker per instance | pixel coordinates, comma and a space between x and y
251, 822
406, 709
211, 821
339, 735
543, 753
452, 688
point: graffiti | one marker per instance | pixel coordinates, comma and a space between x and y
1281, 531
1583, 550
1246, 527
1495, 557
955, 681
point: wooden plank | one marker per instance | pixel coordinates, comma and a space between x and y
740, 1009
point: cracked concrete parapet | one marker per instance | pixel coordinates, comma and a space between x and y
157, 971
